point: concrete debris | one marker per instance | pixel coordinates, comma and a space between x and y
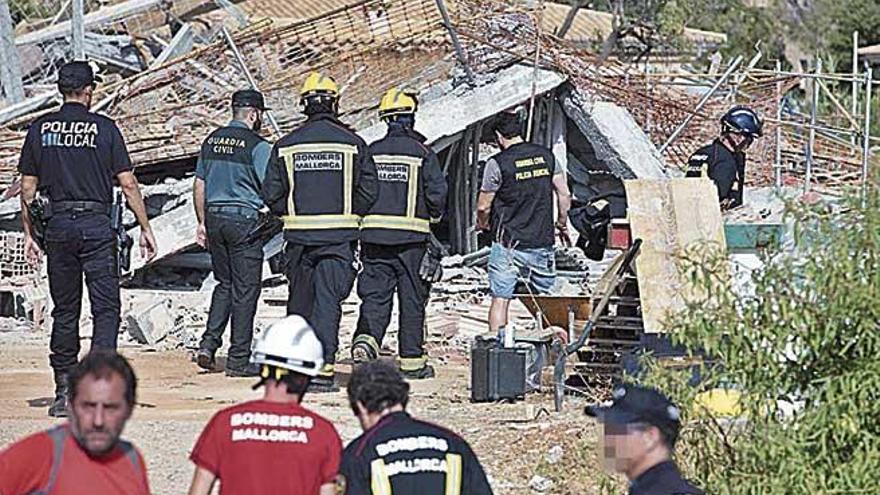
540, 484
8, 324
163, 319
152, 324
619, 144
554, 455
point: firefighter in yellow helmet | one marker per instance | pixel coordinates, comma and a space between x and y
395, 236
321, 179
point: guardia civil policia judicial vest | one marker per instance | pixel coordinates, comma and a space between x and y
412, 190
522, 211
320, 180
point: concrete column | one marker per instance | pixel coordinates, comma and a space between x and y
10, 69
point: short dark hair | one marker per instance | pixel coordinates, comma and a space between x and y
69, 92
668, 435
377, 385
102, 363
507, 124
315, 104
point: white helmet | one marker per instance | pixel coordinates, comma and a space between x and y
290, 344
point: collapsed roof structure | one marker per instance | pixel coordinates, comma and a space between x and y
604, 121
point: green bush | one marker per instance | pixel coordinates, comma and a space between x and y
805, 337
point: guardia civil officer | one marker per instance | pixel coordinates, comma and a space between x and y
398, 453
640, 429
724, 161
321, 180
394, 237
229, 176
72, 156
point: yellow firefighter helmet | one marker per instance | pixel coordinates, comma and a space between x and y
397, 102
319, 84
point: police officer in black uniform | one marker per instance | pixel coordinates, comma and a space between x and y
640, 430
72, 156
400, 454
394, 237
724, 161
229, 177
321, 180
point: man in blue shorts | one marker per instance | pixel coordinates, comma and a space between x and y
516, 206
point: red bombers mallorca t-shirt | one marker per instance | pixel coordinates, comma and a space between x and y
269, 447
25, 467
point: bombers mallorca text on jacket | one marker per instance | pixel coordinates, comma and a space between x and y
412, 190
320, 181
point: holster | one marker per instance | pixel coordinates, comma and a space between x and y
40, 211
267, 226
124, 242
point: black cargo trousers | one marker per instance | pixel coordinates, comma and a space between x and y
237, 262
321, 278
389, 269
77, 243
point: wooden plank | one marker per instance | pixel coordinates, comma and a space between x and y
670, 216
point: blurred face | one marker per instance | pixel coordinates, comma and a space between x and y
624, 447
99, 412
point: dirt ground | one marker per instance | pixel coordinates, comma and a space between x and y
176, 399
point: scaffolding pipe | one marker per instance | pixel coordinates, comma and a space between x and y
830, 76
77, 31
855, 73
681, 127
778, 129
250, 78
866, 137
459, 53
808, 177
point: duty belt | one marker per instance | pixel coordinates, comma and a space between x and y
235, 210
80, 207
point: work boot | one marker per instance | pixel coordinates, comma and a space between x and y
325, 381
426, 371
58, 409
361, 353
205, 360
247, 371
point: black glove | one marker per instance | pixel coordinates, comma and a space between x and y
431, 270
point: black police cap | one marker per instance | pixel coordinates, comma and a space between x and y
634, 404
75, 75
248, 98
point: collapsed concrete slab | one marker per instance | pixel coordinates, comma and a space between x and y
620, 145
456, 109
174, 231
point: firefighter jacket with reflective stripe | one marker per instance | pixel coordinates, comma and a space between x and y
401, 455
522, 211
412, 190
320, 181
726, 169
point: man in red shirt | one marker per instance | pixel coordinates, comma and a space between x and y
273, 445
86, 454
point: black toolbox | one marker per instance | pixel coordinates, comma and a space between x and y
497, 372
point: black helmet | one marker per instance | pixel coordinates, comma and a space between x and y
742, 120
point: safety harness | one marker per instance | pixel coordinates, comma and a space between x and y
59, 436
